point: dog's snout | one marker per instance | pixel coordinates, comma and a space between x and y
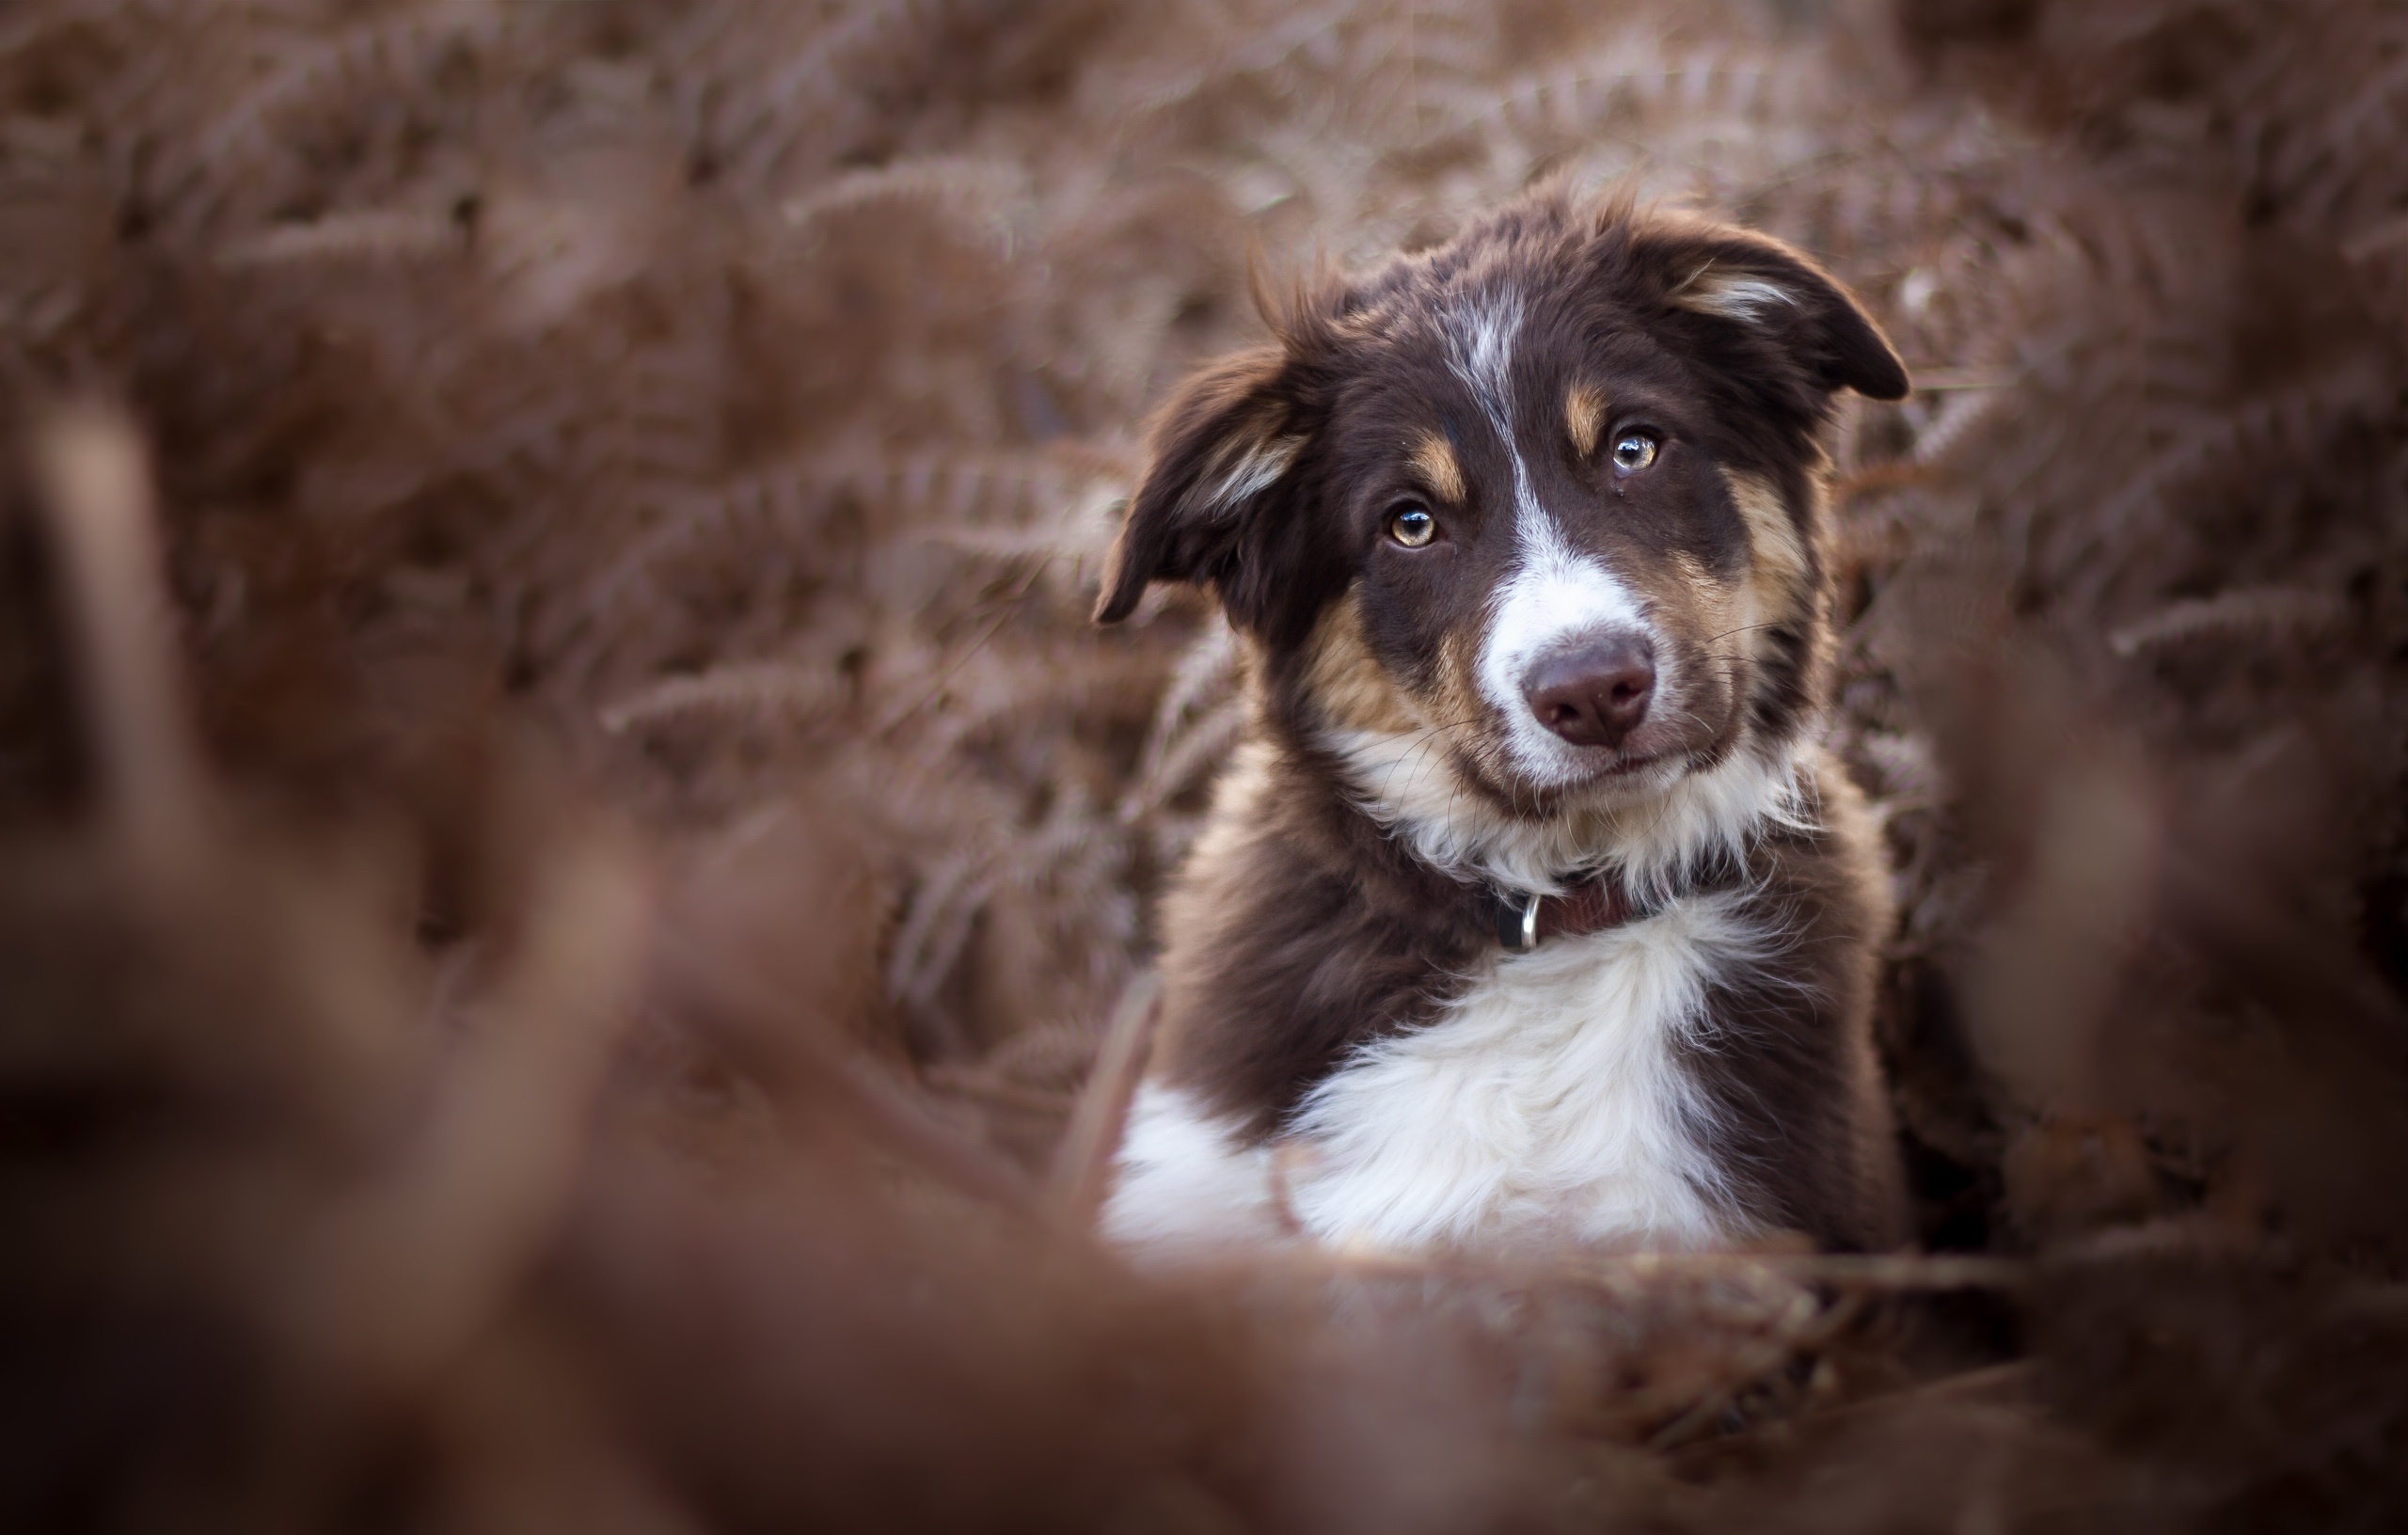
1595, 692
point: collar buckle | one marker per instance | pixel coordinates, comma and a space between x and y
1517, 920
1523, 918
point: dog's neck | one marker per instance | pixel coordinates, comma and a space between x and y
1655, 839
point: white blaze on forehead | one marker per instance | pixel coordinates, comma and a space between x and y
1554, 592
1480, 339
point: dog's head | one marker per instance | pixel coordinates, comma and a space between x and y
1543, 502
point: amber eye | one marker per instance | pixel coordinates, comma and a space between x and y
1634, 451
1412, 526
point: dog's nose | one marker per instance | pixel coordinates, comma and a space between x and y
1595, 692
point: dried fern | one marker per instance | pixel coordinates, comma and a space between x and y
743, 390
767, 687
2261, 613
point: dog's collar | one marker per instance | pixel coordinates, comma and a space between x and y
1526, 918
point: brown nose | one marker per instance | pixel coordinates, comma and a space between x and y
1593, 693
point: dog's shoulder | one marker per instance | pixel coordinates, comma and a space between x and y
1295, 932
1800, 1122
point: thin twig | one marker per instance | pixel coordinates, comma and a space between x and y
95, 490
1084, 1162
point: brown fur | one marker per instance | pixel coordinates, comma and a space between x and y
1793, 1073
1302, 927
1354, 691
1304, 932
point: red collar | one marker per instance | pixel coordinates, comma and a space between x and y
1525, 919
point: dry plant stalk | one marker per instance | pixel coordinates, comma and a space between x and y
95, 486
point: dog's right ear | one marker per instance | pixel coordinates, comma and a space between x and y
1219, 447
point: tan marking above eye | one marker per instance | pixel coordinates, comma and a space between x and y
1435, 461
1584, 415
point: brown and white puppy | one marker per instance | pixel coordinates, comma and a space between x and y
1522, 540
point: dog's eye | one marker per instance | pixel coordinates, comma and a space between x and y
1412, 526
1633, 451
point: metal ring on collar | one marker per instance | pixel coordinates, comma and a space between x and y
1517, 921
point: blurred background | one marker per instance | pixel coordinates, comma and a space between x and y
567, 852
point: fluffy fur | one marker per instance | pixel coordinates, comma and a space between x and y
1601, 427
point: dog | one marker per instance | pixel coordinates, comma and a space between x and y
1529, 909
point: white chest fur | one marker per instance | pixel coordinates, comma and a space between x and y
1547, 1101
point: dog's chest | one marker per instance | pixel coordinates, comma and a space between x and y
1549, 1099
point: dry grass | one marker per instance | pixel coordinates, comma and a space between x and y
569, 853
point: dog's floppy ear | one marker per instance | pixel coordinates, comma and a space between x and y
1775, 291
1218, 449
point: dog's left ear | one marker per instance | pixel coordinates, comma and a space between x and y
1775, 291
1219, 447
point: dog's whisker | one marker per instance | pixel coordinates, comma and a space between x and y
1638, 757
